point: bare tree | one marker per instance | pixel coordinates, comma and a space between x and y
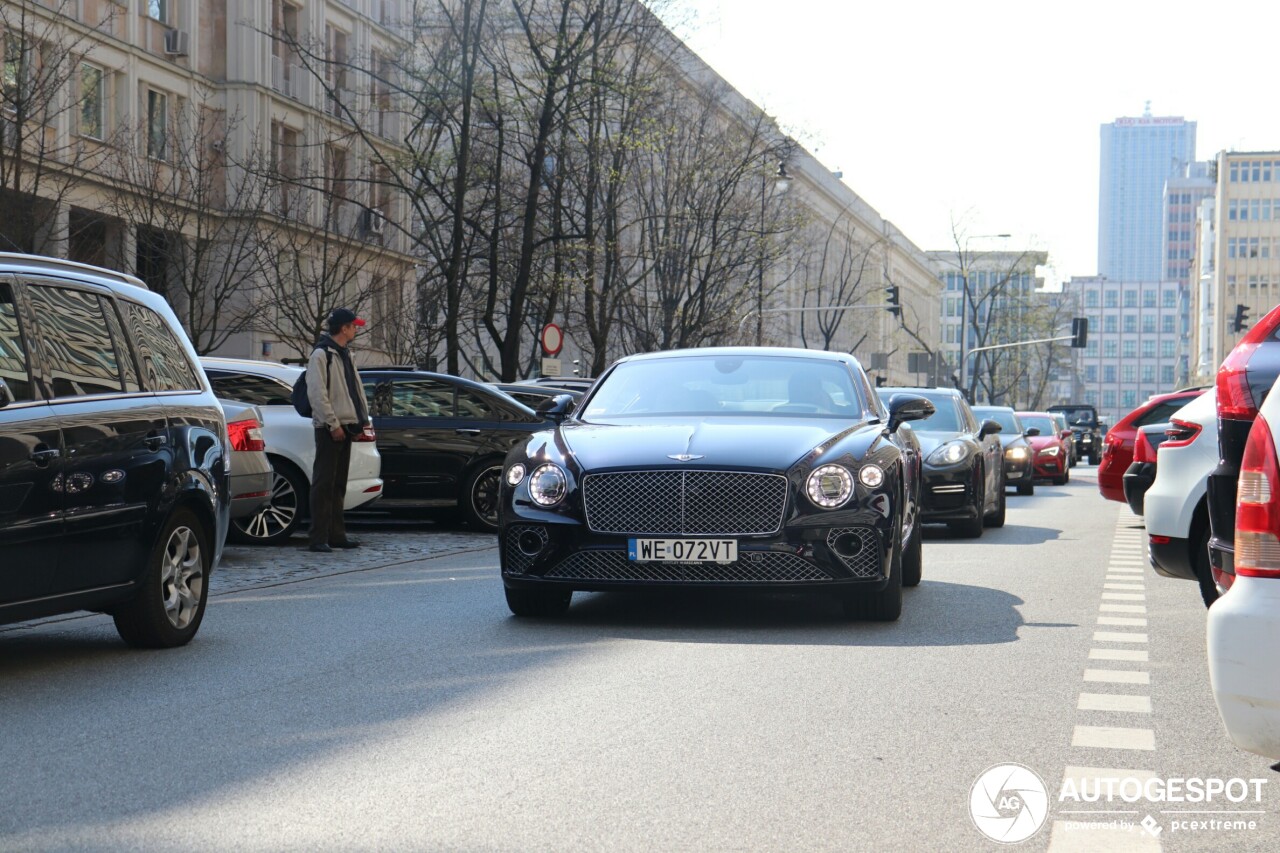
839, 270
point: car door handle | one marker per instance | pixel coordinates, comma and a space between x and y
155, 442
467, 431
45, 456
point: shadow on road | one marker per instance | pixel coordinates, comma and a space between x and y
1010, 534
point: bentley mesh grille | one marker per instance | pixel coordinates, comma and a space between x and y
866, 562
517, 561
722, 503
758, 566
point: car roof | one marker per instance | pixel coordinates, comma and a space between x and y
275, 370
951, 392
995, 409
12, 262
783, 352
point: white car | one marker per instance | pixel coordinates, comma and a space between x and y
290, 441
1174, 508
1245, 621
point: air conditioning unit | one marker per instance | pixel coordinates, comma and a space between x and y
177, 43
374, 222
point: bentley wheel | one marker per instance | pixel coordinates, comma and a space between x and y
169, 605
538, 603
883, 605
913, 557
480, 498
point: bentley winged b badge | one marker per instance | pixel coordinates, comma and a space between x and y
684, 457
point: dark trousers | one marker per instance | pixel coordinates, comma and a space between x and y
329, 488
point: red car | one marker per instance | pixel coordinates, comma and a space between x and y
1052, 452
1117, 447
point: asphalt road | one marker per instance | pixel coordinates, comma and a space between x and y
400, 706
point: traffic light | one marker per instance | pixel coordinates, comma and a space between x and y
893, 300
880, 381
1239, 324
1079, 332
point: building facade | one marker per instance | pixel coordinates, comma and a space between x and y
1138, 155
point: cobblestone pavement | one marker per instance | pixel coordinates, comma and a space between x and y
381, 544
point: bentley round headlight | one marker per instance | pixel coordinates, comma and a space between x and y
515, 474
830, 486
951, 453
871, 475
548, 485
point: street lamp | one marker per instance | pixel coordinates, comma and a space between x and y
781, 182
964, 305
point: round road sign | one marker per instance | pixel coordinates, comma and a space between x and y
552, 339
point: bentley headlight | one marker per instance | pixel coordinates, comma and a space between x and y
515, 474
1017, 454
871, 476
952, 453
830, 486
548, 485
1051, 451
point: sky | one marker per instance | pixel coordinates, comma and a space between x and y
988, 113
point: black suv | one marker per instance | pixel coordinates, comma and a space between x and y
113, 461
1085, 428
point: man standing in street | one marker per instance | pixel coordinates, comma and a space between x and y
339, 412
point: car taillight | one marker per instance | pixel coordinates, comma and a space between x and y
367, 435
1110, 444
1257, 551
246, 435
1235, 400
1180, 433
1142, 450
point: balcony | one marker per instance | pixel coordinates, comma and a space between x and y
289, 79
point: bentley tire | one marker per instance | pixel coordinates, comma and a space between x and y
883, 605
538, 603
480, 496
913, 557
169, 605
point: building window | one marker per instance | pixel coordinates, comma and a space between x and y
1110, 349
1131, 299
158, 10
1130, 349
1148, 323
1091, 398
1148, 373
1111, 299
1109, 373
1131, 323
1166, 324
92, 101
1110, 323
1091, 373
1149, 298
157, 124
1128, 372
1166, 375
1166, 349
1128, 399
1091, 349
1108, 399
1148, 349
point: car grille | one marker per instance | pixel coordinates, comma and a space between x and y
723, 503
751, 567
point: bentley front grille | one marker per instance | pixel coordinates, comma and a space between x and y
706, 503
858, 548
751, 567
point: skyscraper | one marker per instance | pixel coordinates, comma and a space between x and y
1138, 156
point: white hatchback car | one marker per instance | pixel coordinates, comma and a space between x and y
290, 440
1245, 622
1174, 508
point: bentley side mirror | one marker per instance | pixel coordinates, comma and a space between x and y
557, 408
990, 427
1032, 431
908, 407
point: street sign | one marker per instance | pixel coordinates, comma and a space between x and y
551, 367
552, 340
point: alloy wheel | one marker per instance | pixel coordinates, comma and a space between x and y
484, 495
277, 514
182, 577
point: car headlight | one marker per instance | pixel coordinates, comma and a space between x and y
871, 476
1017, 454
515, 474
548, 485
830, 486
951, 453
1051, 451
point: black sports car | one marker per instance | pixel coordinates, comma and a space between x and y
727, 467
963, 463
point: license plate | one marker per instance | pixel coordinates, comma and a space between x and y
682, 550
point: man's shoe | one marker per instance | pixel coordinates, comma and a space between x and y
320, 549
345, 543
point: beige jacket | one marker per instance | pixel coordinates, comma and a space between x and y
327, 391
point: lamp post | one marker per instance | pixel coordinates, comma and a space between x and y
964, 306
781, 182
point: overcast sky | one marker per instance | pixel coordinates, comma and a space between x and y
989, 111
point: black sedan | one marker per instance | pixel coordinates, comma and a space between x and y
1019, 457
728, 467
534, 396
963, 467
442, 440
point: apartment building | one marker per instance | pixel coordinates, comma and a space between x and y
225, 151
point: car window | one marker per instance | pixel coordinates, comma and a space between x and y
1160, 413
15, 368
1045, 425
164, 359
410, 398
473, 405
77, 346
1008, 421
128, 367
946, 416
248, 388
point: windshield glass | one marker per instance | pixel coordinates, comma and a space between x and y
1007, 419
1040, 422
772, 386
1079, 417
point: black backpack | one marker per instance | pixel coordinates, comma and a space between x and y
299, 396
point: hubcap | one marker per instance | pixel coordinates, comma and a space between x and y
181, 577
276, 515
484, 495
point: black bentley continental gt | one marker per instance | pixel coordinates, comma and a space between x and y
728, 467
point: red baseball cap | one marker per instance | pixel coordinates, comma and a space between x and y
343, 316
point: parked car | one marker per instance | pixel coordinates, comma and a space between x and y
1245, 622
1049, 447
1243, 380
291, 449
567, 383
1083, 420
1174, 507
250, 477
443, 438
1142, 470
1117, 446
1019, 459
963, 470
534, 396
725, 467
113, 454
1068, 438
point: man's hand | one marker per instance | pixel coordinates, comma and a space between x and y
338, 434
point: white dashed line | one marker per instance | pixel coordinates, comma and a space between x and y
1123, 608
1114, 737
1120, 702
1122, 620
1118, 637
1117, 676
1137, 655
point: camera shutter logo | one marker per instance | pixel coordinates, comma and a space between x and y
1009, 803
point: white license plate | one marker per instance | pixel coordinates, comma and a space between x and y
682, 550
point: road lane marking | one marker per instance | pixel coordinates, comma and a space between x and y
1117, 676
1118, 637
1124, 596
1138, 655
1122, 702
1124, 586
1128, 621
1114, 737
1122, 608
